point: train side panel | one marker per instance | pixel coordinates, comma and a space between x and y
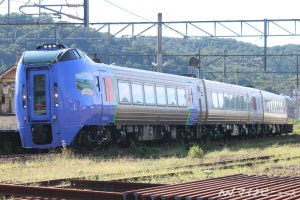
231, 104
153, 99
275, 111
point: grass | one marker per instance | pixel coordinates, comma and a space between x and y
116, 163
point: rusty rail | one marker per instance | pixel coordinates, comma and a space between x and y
235, 187
72, 189
31, 192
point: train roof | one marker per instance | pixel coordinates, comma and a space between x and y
140, 72
51, 53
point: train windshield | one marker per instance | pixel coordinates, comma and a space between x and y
38, 57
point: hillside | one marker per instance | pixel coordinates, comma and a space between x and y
244, 62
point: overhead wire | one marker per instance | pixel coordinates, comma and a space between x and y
164, 25
127, 11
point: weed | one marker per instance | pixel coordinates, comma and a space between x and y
65, 152
195, 152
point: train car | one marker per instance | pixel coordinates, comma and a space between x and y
244, 111
62, 98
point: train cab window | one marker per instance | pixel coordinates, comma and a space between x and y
181, 96
124, 92
171, 95
161, 95
71, 54
76, 53
214, 96
39, 95
149, 94
137, 93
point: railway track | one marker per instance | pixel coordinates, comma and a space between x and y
178, 171
172, 171
131, 188
238, 187
22, 157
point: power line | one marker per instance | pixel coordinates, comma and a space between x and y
127, 11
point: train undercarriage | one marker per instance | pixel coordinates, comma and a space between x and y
124, 135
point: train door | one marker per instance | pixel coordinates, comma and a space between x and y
203, 113
254, 108
39, 95
98, 97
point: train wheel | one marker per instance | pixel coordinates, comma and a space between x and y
92, 138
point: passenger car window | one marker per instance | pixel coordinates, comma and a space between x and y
171, 94
221, 99
181, 96
124, 92
231, 101
243, 103
149, 94
137, 93
214, 96
226, 101
161, 95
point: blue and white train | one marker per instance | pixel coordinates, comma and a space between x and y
62, 97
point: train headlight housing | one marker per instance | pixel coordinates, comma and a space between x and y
24, 97
55, 95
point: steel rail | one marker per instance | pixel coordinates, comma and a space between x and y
60, 193
234, 187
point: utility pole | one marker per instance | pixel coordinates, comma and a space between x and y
237, 76
265, 44
86, 13
159, 43
199, 58
8, 11
297, 69
224, 66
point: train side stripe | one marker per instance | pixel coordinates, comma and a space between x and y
114, 92
192, 110
109, 89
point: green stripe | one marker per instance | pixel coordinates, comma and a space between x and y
188, 117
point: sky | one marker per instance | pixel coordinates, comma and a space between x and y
179, 10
